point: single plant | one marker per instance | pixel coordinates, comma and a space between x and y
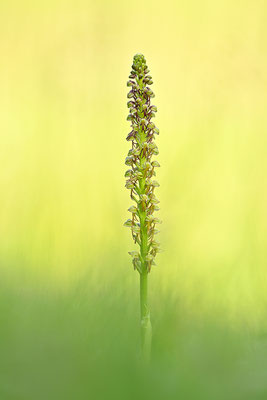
141, 184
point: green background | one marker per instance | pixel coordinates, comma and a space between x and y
69, 305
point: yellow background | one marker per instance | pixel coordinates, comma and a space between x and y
63, 72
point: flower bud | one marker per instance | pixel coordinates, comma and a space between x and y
134, 254
139, 175
144, 145
130, 83
136, 229
132, 209
129, 160
131, 136
152, 146
155, 183
128, 173
129, 185
151, 125
137, 264
154, 200
136, 152
128, 223
157, 221
144, 197
149, 218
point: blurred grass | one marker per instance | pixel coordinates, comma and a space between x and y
83, 344
69, 297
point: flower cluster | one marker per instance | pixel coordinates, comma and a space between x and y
140, 177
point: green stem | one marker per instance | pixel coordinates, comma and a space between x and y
146, 329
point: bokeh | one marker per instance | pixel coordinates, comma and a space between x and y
69, 302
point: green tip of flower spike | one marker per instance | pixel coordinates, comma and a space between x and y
139, 61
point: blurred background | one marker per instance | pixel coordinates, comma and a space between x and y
69, 301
